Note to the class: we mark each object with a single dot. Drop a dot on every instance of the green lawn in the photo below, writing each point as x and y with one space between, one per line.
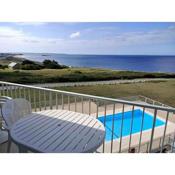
163 91
73 75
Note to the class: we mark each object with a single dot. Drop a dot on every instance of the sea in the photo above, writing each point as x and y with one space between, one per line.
146 63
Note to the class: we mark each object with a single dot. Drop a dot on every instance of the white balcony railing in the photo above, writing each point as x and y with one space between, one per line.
153 140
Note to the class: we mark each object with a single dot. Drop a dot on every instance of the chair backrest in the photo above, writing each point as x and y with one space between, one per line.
3 99
15 109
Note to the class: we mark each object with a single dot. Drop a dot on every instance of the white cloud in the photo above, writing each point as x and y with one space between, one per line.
13 35
75 35
17 40
142 38
7 32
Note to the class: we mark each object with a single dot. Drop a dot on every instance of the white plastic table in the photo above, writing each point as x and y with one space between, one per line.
58 131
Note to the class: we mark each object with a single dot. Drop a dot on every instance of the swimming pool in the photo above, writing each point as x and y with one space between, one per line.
137 122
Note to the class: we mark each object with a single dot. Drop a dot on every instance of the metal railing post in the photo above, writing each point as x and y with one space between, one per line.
132 120
163 139
104 126
50 100
89 106
56 100
39 96
62 100
142 124
121 130
112 136
152 133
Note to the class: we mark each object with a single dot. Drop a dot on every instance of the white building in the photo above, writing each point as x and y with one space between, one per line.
13 65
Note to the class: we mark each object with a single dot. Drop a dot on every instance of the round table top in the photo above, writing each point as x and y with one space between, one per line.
57 131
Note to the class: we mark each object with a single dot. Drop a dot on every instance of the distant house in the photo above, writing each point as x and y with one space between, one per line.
13 65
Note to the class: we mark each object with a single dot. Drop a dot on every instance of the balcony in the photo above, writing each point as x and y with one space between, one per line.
119 117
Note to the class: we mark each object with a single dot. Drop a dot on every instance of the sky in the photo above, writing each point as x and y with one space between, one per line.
88 38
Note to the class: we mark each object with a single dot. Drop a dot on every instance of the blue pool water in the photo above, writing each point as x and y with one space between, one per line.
137 122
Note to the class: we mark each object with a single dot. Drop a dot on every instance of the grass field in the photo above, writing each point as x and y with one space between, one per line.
163 91
73 75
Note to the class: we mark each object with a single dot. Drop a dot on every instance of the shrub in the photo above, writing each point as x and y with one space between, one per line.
28 62
3 66
31 67
52 64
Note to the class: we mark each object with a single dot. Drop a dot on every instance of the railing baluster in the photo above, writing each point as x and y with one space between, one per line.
75 104
89 106
147 148
39 96
34 98
160 143
82 105
132 121
97 110
50 99
24 91
68 102
62 99
3 90
20 92
7 90
104 126
173 144
112 137
15 91
142 123
121 131
11 91
45 100
166 122
152 133
56 100
29 95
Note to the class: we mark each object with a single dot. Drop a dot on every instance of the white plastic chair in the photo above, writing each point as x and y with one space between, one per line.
12 111
3 99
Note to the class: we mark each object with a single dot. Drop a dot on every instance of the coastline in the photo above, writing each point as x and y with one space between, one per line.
145 63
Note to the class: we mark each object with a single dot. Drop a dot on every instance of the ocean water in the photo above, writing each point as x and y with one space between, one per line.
116 62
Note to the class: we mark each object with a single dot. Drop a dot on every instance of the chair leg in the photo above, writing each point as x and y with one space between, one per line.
9 144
